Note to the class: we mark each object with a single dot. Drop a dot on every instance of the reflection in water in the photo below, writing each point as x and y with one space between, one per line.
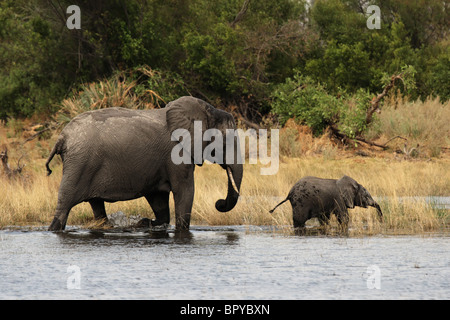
140 237
320 231
232 238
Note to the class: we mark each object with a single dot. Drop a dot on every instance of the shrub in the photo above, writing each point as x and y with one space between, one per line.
140 88
307 102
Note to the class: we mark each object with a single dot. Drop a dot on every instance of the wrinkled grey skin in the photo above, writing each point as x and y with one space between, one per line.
313 197
118 154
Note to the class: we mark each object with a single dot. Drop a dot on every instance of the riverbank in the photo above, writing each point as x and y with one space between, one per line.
31 201
29 197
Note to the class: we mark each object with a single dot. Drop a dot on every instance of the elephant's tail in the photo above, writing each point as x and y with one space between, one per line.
271 211
56 150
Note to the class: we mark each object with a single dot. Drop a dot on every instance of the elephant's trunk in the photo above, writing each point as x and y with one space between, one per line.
380 214
234 173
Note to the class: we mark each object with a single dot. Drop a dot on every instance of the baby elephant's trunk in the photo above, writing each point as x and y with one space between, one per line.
364 199
380 214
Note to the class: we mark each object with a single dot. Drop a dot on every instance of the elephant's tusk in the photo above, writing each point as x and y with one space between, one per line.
230 175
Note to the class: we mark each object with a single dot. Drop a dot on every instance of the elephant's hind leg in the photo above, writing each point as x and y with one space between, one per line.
68 197
159 201
98 206
300 215
60 218
66 201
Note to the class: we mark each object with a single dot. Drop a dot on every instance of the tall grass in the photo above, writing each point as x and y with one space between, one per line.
386 180
422 125
34 202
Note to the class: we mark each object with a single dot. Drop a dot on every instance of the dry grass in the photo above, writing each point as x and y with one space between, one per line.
118 91
423 127
298 141
390 181
32 201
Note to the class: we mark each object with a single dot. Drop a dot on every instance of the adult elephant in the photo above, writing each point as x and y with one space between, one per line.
118 154
313 197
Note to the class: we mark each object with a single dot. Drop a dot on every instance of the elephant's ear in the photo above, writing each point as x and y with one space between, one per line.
348 188
182 114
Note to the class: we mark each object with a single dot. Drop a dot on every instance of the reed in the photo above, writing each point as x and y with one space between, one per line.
415 129
33 201
118 91
393 183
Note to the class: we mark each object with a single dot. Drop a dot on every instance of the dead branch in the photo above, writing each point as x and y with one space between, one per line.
10 173
383 146
371 143
241 13
375 103
249 123
396 137
50 127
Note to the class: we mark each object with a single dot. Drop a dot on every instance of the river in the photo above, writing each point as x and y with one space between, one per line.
231 262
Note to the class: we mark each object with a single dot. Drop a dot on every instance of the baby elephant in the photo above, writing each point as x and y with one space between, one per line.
313 197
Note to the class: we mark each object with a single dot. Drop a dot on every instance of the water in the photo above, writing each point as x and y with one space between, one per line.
234 262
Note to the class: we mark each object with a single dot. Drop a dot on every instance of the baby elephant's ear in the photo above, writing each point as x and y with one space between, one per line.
348 189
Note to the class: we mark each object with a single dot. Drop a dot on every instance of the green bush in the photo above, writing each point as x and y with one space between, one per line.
343 66
352 116
440 75
209 59
222 51
309 103
161 86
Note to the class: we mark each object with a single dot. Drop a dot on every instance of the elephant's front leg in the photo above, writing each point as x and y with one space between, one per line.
343 218
183 195
324 219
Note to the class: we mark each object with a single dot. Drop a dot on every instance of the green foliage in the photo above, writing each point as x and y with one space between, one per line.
352 117
27 76
440 75
335 20
343 66
209 59
307 102
224 52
